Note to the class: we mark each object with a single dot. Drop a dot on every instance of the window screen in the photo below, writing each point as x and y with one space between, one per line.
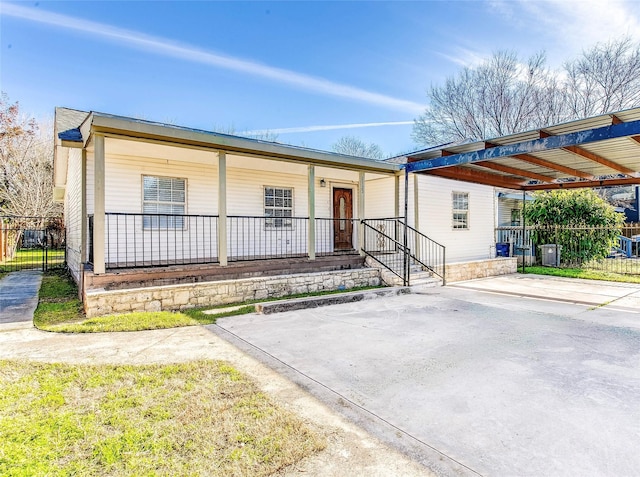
164 197
460 210
278 207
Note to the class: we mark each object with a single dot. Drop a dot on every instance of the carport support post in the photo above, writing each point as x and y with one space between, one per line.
524 230
361 211
405 262
396 205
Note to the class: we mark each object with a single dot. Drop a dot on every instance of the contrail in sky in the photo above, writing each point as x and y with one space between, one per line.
185 52
329 127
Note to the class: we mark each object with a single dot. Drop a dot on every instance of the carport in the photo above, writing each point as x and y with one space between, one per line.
600 151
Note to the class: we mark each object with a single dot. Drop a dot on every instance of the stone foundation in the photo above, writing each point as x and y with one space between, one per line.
99 302
457 272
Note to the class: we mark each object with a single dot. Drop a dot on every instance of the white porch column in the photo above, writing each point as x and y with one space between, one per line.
361 212
222 208
311 235
396 195
98 206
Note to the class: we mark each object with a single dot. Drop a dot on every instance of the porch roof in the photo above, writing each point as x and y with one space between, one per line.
137 129
594 152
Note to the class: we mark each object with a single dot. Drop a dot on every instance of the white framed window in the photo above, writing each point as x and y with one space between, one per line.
278 207
165 196
515 217
460 208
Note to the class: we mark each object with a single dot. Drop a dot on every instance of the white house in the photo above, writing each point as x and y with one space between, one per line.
149 203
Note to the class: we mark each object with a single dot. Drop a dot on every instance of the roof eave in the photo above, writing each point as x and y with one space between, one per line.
101 123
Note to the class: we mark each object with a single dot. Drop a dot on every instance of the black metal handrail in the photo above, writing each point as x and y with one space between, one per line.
420 249
396 252
427 252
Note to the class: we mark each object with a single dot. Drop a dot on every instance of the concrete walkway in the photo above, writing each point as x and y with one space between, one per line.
618 295
19 299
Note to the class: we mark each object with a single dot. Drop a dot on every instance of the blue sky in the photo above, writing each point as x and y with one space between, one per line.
308 71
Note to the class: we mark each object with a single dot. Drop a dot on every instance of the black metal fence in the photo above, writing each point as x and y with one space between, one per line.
31 243
594 248
142 239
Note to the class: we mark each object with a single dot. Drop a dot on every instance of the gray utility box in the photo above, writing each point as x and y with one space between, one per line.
551 254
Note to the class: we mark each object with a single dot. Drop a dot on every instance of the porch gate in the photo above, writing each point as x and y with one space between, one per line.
31 243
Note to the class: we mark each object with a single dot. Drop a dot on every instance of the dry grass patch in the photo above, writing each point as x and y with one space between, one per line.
199 418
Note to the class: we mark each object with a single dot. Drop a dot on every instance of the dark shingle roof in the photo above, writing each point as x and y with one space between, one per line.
68 122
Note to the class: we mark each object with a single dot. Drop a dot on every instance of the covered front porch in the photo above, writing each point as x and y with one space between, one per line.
178 204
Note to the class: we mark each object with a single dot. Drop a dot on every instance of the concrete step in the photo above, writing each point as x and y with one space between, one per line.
325 300
430 282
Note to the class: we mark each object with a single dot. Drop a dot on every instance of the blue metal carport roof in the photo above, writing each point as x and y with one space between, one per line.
594 152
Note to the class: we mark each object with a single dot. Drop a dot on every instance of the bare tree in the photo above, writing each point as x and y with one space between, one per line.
500 96
353 146
504 95
26 164
604 79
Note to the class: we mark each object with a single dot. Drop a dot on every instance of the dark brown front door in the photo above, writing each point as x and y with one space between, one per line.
342 215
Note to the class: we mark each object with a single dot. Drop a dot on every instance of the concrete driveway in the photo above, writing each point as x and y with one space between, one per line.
468 380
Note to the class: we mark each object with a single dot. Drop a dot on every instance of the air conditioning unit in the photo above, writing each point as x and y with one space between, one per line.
550 254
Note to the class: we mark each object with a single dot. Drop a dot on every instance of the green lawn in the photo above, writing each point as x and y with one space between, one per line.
198 418
32 258
57 301
60 310
584 273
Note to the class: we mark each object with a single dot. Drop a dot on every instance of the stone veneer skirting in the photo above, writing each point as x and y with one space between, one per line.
457 272
99 302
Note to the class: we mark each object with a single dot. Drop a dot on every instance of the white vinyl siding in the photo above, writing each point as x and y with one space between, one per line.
380 198
247 228
73 211
434 210
125 237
